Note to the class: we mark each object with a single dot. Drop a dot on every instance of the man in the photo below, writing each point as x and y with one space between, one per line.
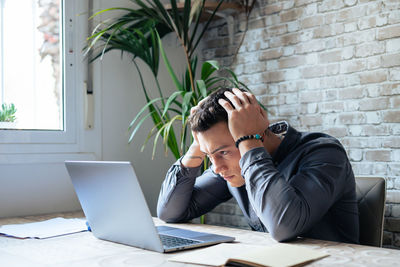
286 182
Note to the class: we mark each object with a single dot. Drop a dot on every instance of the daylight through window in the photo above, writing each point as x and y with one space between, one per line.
31 86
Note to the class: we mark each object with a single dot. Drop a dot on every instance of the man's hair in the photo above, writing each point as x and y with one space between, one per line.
210 112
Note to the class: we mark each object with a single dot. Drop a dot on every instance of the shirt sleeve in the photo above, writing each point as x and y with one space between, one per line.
289 206
186 193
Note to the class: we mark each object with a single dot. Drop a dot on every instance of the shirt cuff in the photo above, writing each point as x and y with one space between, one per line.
252 156
188 171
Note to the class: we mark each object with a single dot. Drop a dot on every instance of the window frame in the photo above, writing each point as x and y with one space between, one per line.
73 139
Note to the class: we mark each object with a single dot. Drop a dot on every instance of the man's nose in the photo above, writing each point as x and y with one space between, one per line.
219 167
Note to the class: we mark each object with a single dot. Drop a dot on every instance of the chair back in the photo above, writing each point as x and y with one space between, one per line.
371 197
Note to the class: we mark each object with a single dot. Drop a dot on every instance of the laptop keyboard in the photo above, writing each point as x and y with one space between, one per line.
173 241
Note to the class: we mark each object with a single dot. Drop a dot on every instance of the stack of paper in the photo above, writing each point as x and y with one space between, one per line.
45 229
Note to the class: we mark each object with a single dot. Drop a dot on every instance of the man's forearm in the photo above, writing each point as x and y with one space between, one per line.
181 200
176 192
194 157
288 209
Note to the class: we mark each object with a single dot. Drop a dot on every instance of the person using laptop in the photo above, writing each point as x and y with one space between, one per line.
286 182
107 190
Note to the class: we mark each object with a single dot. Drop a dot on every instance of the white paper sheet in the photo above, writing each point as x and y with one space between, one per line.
45 229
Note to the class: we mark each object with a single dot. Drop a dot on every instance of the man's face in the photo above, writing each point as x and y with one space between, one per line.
218 144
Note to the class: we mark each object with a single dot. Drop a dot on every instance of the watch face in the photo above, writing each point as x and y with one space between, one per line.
279 128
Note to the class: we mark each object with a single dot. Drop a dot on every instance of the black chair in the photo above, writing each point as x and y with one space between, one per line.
371 196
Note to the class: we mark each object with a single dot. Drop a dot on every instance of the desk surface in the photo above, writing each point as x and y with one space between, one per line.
83 249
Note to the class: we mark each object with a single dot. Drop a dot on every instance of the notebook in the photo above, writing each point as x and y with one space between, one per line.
116 210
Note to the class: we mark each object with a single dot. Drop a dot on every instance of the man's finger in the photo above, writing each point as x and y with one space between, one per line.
225 104
263 113
252 99
241 95
235 100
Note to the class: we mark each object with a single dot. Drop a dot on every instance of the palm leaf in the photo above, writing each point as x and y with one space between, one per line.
138 127
168 129
138 32
142 110
200 36
176 16
186 20
196 12
158 134
184 131
169 101
201 85
208 68
168 66
185 104
150 134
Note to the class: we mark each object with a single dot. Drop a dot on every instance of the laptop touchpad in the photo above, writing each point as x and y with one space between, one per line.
166 230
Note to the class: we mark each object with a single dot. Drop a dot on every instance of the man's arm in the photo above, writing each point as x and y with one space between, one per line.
185 194
194 157
289 208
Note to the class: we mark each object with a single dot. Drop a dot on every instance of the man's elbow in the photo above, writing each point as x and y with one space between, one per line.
163 215
166 216
283 234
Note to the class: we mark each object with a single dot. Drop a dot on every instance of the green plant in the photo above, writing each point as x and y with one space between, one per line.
7 112
138 32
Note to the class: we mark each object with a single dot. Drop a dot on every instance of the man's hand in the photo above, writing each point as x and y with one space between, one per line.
194 157
245 117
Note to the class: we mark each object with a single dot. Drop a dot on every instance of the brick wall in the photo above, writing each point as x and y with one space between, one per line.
325 65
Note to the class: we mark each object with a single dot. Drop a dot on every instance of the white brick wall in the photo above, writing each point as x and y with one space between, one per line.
332 66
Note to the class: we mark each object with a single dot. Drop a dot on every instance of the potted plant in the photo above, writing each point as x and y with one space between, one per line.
7 116
138 32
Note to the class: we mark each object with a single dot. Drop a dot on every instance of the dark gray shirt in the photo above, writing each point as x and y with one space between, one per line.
306 188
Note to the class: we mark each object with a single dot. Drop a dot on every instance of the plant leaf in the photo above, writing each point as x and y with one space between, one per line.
138 127
201 85
169 101
208 68
205 27
186 21
168 66
143 110
150 134
159 133
183 136
232 74
168 128
185 104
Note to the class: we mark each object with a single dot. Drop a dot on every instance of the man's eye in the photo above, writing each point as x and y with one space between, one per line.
224 153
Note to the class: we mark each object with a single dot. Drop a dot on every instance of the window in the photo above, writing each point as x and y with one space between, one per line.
32 154
42 72
32 63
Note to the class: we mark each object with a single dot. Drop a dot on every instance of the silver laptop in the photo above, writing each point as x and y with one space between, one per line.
116 210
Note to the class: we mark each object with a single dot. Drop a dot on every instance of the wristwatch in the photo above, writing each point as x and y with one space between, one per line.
279 128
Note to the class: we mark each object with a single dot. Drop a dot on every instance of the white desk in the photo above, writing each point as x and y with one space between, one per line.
83 249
